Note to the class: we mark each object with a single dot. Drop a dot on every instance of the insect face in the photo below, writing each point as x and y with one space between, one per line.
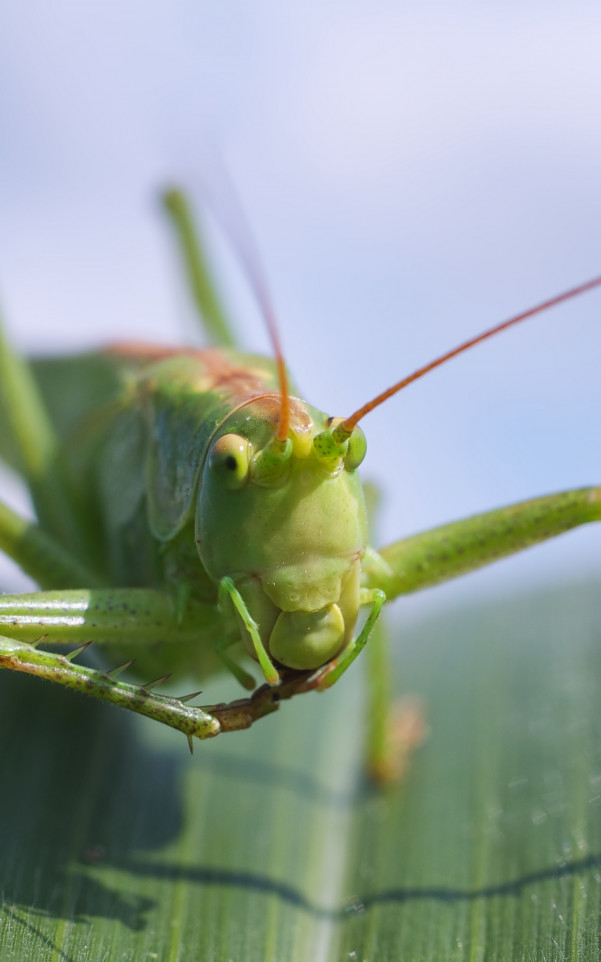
289 532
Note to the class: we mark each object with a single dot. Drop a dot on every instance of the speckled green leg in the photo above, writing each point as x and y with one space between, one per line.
454 549
18 656
136 617
118 616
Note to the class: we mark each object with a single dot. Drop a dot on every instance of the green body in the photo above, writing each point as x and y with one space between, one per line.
176 521
135 428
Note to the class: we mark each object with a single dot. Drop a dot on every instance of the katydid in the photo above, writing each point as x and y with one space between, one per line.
190 505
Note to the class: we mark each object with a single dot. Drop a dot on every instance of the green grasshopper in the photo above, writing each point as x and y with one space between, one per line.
190 504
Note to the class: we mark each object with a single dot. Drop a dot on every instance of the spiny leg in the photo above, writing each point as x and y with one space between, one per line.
132 617
18 656
108 616
135 617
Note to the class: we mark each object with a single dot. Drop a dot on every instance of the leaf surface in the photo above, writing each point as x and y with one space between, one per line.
269 845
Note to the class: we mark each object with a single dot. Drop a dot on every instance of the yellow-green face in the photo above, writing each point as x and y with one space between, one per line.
290 535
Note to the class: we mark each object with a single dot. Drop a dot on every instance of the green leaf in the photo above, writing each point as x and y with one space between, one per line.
268 844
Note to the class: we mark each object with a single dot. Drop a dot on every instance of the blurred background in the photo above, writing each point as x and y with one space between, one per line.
413 173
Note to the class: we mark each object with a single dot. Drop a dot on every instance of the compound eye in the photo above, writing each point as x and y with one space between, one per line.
229 461
357 446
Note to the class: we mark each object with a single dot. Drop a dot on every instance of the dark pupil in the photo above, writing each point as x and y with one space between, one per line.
230 462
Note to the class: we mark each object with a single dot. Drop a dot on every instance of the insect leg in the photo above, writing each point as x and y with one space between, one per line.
228 590
243 677
108 616
382 755
454 549
132 617
30 445
174 712
376 598
39 555
195 260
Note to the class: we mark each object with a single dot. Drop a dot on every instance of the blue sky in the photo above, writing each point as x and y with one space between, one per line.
413 173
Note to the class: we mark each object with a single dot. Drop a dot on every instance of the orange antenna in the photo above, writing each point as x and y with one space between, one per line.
349 423
229 213
255 278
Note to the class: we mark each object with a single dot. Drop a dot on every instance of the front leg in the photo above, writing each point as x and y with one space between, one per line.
133 618
192 721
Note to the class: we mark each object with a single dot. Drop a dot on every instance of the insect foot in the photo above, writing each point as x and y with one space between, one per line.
235 715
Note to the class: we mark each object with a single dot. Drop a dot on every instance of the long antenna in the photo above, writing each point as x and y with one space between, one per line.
229 214
261 291
349 423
